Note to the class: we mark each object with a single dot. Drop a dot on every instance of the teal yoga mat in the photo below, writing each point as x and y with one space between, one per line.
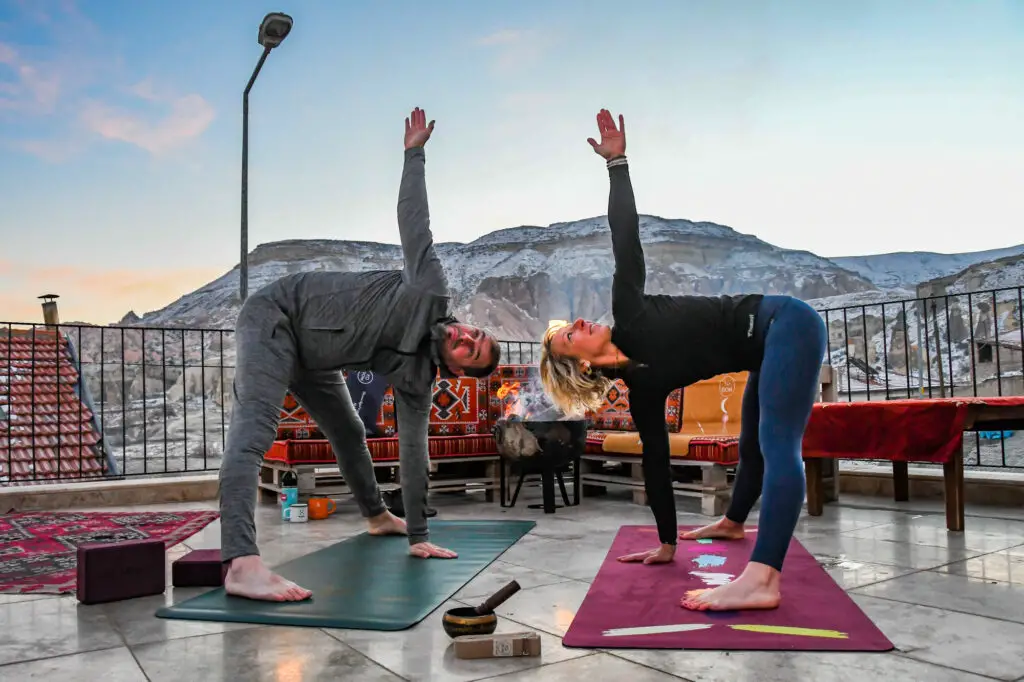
367 582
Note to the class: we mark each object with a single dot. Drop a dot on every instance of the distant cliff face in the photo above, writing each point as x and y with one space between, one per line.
513 281
907 270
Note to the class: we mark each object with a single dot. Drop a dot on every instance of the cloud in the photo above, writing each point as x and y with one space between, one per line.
188 118
514 48
508 36
36 87
53 150
71 86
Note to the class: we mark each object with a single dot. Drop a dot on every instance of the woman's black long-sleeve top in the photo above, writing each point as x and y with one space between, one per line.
671 342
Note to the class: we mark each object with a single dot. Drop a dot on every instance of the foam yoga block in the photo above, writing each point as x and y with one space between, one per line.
199 568
124 570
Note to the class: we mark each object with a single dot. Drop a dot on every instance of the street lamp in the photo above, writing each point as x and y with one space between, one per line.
274 28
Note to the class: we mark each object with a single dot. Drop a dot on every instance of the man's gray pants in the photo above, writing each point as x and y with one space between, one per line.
266 368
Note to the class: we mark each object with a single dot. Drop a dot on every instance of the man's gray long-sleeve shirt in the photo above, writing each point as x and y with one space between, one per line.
387 321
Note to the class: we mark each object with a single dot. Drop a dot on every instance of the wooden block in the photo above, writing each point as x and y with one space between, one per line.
199 568
124 570
502 645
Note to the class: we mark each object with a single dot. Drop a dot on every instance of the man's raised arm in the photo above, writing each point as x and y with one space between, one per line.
422 267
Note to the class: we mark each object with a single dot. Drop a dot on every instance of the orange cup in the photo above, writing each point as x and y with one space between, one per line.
321 507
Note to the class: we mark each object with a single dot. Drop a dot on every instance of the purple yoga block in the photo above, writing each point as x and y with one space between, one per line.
199 568
124 570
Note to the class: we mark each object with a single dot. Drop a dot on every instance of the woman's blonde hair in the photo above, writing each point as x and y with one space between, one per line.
571 389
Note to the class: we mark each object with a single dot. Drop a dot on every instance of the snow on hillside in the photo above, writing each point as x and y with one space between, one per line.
857 299
171 390
682 257
907 269
998 274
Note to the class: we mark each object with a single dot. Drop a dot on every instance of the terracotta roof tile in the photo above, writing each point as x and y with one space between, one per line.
46 431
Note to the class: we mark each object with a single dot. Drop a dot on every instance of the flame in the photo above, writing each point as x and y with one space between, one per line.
512 405
512 388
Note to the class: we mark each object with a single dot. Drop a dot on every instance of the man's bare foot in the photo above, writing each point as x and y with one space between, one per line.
723 529
756 588
249 577
387 523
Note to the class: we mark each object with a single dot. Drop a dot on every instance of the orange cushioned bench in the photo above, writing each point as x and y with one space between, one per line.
703 424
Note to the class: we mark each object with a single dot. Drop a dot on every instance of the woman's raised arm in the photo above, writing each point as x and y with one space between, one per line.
630 271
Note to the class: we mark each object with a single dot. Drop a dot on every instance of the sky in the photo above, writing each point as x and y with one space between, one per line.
841 128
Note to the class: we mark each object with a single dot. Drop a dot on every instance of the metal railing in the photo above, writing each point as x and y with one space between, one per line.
144 401
954 344
946 345
136 401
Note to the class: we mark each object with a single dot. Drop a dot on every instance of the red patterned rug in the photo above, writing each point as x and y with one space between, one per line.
38 550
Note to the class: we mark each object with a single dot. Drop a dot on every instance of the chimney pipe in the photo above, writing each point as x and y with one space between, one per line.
50 317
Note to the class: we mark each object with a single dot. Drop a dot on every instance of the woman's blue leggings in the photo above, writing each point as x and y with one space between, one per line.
776 407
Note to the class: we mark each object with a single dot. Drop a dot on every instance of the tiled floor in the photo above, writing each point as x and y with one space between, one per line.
953 605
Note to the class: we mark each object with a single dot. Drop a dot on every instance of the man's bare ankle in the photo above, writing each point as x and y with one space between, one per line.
245 563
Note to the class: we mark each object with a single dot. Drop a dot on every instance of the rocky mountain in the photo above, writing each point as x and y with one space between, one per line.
514 280
168 390
129 319
1007 271
905 269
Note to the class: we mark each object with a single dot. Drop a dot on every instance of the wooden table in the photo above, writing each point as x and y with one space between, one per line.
978 414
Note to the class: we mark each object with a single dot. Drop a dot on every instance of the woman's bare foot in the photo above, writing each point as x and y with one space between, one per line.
723 529
387 523
756 588
249 577
662 555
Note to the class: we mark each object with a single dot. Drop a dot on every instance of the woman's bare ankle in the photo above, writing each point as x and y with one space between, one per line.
762 574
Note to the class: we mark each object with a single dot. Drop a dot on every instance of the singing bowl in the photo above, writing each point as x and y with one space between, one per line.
466 621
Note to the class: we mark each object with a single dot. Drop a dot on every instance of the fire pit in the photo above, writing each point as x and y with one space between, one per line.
536 438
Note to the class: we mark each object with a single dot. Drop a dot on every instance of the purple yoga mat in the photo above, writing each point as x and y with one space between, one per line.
628 596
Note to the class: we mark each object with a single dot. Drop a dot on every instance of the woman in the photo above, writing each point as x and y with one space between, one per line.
660 343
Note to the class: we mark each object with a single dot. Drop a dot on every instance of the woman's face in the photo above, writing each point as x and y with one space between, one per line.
581 340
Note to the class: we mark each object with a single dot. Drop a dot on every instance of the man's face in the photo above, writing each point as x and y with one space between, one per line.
465 346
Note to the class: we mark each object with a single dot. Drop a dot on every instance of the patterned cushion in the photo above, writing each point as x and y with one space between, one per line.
459 406
595 442
438 447
722 450
614 415
318 452
296 424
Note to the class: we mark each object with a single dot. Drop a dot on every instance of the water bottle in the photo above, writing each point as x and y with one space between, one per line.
289 492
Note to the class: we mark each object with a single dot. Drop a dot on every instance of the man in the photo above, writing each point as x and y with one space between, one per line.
299 332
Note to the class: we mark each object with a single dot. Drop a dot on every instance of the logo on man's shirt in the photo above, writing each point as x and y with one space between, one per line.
750 328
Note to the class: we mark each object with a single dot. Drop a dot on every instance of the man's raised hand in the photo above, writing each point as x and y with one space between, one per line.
417 131
613 141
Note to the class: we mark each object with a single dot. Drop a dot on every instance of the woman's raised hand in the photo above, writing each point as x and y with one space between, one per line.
613 140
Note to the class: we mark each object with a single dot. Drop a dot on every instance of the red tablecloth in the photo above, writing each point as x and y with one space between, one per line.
925 430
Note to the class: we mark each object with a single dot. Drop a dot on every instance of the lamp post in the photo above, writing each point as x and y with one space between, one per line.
274 28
